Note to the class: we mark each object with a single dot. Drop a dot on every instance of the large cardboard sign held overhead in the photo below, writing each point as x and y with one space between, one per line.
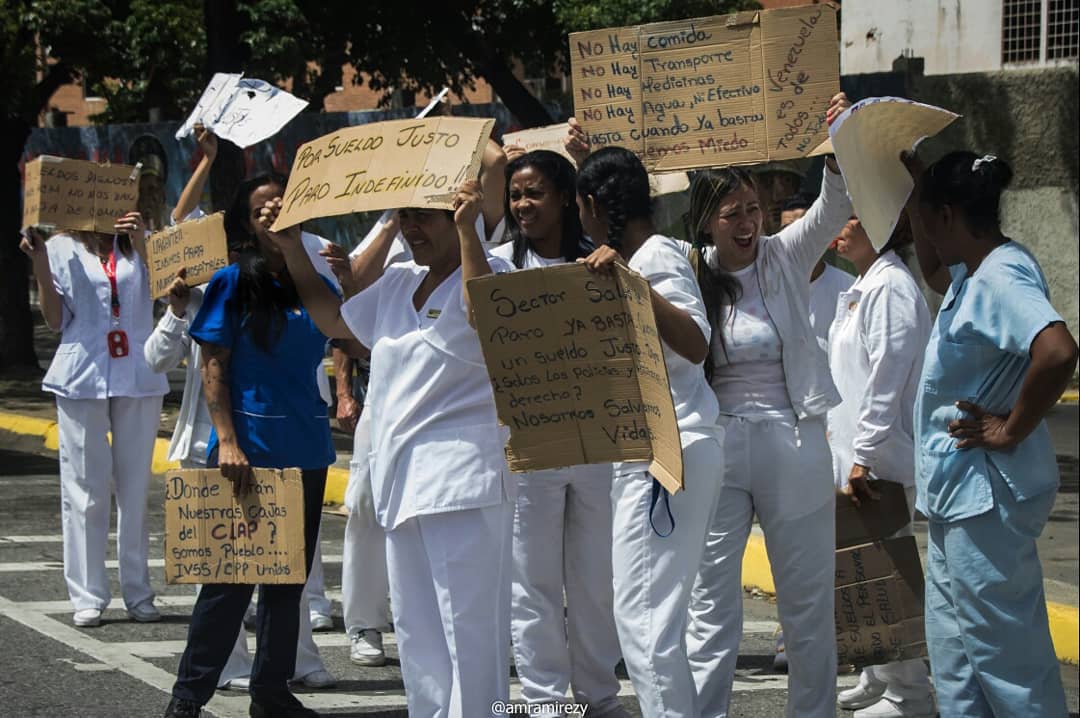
868 139
198 245
733 89
552 137
212 537
77 195
242 110
384 165
578 369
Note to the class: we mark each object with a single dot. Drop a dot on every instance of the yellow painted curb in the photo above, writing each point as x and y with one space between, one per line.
756 571
1070 396
336 479
1064 620
1065 630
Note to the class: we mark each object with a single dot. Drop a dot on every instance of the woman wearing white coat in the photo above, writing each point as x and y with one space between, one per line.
772 382
876 346
94 289
438 475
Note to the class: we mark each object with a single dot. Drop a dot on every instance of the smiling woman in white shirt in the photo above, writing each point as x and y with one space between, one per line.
876 346
439 479
562 520
94 289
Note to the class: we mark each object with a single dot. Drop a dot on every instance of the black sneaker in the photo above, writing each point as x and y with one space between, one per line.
283 705
179 708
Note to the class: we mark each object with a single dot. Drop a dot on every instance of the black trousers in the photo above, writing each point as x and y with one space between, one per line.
219 613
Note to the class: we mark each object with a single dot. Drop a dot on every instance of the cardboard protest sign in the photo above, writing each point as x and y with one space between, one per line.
242 110
868 139
879 603
744 88
212 537
198 245
384 165
78 195
578 369
872 520
552 137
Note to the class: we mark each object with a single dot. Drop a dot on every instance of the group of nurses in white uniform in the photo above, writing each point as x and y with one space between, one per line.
94 289
876 347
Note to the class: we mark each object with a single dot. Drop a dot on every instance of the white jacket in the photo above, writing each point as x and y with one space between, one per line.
876 346
784 262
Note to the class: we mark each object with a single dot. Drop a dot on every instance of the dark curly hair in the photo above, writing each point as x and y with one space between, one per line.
617 180
557 170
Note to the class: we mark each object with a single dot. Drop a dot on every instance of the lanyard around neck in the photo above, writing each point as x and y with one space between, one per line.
109 265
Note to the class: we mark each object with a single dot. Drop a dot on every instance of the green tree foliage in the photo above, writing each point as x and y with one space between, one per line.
578 15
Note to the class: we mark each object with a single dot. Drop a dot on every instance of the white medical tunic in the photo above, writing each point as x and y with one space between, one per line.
436 442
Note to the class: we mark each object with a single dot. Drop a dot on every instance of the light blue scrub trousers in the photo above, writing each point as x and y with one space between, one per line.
986 626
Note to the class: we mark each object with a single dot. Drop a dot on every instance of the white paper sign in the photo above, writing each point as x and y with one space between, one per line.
868 139
242 110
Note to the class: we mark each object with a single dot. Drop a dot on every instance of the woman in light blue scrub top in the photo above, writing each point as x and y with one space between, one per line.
998 359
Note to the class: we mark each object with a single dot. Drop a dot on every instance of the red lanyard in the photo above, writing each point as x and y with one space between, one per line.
110 272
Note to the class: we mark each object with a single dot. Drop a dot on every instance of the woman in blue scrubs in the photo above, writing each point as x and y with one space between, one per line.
260 352
998 359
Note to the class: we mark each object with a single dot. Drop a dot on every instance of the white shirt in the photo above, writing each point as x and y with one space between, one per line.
82 367
823 294
661 260
876 347
435 437
532 260
748 367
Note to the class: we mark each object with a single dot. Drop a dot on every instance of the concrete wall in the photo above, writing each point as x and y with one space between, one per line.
954 36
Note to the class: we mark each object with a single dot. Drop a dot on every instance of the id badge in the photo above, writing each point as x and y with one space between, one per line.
118 344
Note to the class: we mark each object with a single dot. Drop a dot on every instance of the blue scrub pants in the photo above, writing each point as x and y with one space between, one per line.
986 626
219 613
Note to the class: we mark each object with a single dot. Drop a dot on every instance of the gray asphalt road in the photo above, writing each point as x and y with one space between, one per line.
49 668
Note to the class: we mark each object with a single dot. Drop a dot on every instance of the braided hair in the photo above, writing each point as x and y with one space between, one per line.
719 289
557 170
617 180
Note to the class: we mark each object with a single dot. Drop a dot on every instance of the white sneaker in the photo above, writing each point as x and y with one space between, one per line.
318 679
242 683
321 622
145 612
87 618
867 693
367 648
886 708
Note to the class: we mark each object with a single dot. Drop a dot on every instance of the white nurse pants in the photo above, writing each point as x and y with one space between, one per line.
783 472
315 588
364 583
562 541
905 681
90 470
654 575
450 588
